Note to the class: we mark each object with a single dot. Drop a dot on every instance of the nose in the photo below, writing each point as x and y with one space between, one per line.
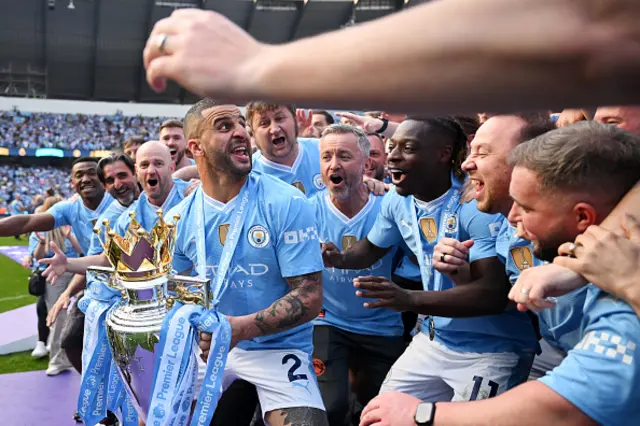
468 165
394 155
514 214
274 128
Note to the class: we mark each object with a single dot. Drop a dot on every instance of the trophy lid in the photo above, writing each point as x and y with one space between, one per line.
140 255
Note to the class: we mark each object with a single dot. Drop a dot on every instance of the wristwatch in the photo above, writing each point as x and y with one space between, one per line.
425 414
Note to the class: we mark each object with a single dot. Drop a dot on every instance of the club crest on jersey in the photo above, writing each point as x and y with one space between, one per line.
300 186
522 257
451 223
348 241
258 236
223 230
317 181
429 228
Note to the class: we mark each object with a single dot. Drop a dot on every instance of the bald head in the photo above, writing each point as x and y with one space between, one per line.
153 169
625 117
152 148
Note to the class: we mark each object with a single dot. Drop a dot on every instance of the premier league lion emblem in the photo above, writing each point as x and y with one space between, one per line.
300 186
429 228
522 257
348 241
223 230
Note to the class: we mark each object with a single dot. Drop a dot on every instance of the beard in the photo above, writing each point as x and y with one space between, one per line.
222 162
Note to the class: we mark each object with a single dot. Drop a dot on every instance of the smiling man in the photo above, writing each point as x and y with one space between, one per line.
80 213
492 348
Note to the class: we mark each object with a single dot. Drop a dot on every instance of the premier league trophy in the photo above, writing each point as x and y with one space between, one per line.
141 270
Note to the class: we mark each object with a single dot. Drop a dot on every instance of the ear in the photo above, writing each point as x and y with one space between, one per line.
196 149
368 162
446 154
585 215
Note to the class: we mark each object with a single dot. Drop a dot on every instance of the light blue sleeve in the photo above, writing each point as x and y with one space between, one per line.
385 232
482 228
122 224
601 374
95 247
62 213
297 247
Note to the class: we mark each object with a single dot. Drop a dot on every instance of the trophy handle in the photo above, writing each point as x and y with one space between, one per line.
188 290
106 276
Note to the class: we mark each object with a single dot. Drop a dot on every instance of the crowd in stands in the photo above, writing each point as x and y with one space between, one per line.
28 130
27 182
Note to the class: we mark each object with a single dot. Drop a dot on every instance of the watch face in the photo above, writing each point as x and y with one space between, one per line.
424 413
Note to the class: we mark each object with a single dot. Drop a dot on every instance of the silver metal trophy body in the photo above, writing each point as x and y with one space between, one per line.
134 324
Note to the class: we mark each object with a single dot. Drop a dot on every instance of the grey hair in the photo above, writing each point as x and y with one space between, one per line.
345 129
586 157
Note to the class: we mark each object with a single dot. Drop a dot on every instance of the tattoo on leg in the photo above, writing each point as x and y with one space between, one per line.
303 416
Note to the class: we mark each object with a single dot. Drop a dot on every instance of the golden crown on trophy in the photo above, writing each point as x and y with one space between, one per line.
140 255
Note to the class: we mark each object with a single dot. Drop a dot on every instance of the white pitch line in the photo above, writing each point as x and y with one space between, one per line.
3 299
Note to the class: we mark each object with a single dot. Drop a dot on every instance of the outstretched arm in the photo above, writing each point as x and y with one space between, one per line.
360 255
445 47
26 223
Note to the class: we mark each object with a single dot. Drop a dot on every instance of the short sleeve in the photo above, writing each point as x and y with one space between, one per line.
601 374
61 213
482 228
298 246
385 232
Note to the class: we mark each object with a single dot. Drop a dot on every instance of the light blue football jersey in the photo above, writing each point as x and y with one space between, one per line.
147 213
601 374
406 266
341 307
112 214
81 218
279 240
560 326
34 241
305 172
510 331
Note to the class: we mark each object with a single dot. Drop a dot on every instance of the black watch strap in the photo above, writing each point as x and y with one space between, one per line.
385 124
425 414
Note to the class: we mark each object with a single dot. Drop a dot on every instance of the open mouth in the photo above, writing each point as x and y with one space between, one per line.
397 175
152 183
479 187
173 152
279 141
88 187
336 179
241 152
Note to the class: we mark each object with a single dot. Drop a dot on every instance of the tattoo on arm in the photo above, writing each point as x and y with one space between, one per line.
301 416
295 308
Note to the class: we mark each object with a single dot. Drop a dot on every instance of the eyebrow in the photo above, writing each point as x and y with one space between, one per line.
524 206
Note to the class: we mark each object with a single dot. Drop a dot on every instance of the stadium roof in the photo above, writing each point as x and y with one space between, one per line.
92 49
